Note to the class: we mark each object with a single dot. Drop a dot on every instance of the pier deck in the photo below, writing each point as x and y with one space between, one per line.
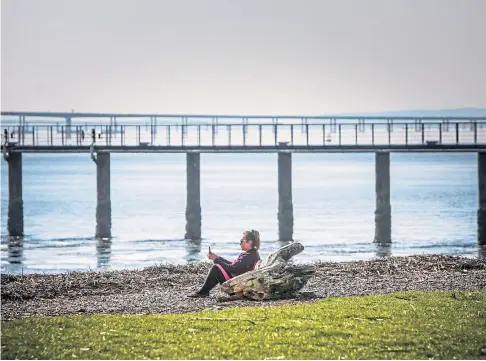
316 137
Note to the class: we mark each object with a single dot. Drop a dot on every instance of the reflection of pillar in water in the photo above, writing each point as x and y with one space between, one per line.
15 250
103 252
193 248
383 250
482 252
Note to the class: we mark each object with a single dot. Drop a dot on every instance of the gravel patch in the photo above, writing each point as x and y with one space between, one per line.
163 289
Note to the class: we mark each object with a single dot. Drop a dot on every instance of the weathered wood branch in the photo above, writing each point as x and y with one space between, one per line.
272 278
285 253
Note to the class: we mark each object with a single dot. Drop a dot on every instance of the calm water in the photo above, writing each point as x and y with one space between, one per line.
434 204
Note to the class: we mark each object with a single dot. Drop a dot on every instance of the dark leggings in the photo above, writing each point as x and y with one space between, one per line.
214 277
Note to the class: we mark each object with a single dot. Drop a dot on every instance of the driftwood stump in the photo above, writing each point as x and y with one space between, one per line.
274 277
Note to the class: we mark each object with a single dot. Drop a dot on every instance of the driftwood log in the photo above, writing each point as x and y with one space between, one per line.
272 278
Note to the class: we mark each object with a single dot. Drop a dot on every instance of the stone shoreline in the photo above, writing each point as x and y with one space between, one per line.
163 289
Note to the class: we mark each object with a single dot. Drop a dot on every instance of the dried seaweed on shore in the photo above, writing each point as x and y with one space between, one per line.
162 289
98 283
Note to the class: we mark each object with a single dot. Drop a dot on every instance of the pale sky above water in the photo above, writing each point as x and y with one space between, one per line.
242 57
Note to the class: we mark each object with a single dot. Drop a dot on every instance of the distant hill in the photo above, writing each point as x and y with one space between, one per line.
460 112
446 113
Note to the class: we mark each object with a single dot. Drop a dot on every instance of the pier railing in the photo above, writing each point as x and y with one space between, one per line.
248 135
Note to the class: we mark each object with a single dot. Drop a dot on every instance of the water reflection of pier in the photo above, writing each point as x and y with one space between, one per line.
103 253
383 250
482 251
15 254
16 250
193 249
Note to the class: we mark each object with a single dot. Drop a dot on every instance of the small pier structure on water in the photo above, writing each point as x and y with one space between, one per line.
100 134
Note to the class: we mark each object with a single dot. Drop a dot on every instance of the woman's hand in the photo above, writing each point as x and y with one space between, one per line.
212 256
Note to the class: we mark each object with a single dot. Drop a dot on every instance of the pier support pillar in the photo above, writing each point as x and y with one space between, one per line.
15 202
482 198
193 208
285 206
383 207
103 206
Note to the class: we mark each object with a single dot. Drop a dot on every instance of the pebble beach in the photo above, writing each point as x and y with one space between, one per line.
163 289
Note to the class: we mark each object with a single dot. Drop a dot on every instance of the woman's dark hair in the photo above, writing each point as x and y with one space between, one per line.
254 237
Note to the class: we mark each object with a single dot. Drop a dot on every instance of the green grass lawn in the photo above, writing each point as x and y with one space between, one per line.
406 325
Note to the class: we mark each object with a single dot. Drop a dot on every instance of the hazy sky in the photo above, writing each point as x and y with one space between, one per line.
242 57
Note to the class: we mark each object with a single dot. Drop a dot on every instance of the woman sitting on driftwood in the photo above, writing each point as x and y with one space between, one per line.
223 270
